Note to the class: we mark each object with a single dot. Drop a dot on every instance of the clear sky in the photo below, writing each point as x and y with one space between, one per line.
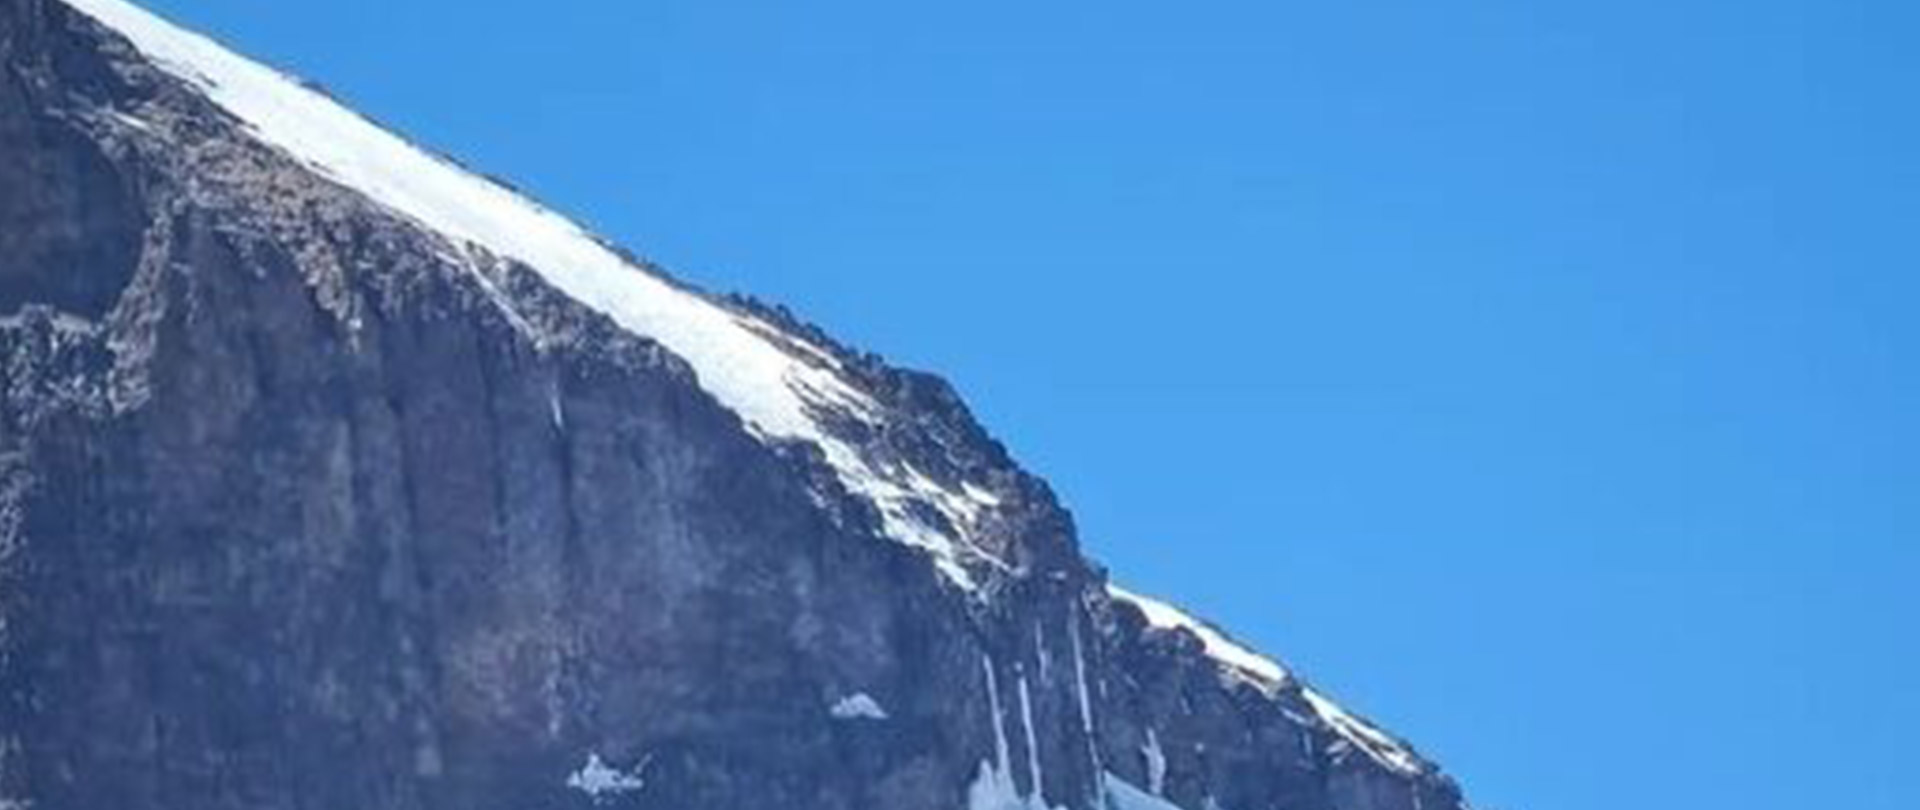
1541 378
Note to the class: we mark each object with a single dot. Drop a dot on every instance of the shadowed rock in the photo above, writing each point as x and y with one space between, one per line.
304 504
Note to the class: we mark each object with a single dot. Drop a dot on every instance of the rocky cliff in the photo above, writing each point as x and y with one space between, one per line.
334 476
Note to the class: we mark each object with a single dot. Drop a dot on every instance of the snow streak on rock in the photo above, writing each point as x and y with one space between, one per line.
777 382
1156 764
1241 660
1377 744
1267 673
994 788
782 385
1082 695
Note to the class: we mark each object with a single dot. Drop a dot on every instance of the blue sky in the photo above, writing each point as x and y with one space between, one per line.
1538 377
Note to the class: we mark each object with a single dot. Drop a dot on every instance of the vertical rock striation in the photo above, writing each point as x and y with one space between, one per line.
310 499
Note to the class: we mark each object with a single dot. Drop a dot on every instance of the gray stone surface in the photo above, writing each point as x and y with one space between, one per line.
293 515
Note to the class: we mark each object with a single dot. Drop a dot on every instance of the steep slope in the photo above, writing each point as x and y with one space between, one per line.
333 475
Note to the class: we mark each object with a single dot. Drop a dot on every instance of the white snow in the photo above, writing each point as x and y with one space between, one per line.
993 788
742 361
1085 699
774 381
1223 649
1122 795
133 122
556 413
1034 776
978 495
600 780
857 706
1377 744
1156 764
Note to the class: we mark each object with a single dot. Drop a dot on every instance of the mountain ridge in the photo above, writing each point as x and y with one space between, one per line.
249 249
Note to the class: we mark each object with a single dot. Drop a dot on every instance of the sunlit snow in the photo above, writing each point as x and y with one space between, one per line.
857 706
598 779
993 788
1122 795
1376 743
1223 649
775 385
1269 673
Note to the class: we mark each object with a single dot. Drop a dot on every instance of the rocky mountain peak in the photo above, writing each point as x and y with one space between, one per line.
334 474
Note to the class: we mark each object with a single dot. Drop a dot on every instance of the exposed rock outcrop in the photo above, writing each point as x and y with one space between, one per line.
306 502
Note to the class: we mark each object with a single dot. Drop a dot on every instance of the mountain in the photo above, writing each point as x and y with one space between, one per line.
333 475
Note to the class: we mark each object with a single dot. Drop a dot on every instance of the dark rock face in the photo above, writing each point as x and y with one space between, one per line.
297 511
82 214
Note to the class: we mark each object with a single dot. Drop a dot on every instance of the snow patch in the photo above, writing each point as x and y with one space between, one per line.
776 382
1377 744
857 706
1242 660
1269 674
978 495
600 780
1122 795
